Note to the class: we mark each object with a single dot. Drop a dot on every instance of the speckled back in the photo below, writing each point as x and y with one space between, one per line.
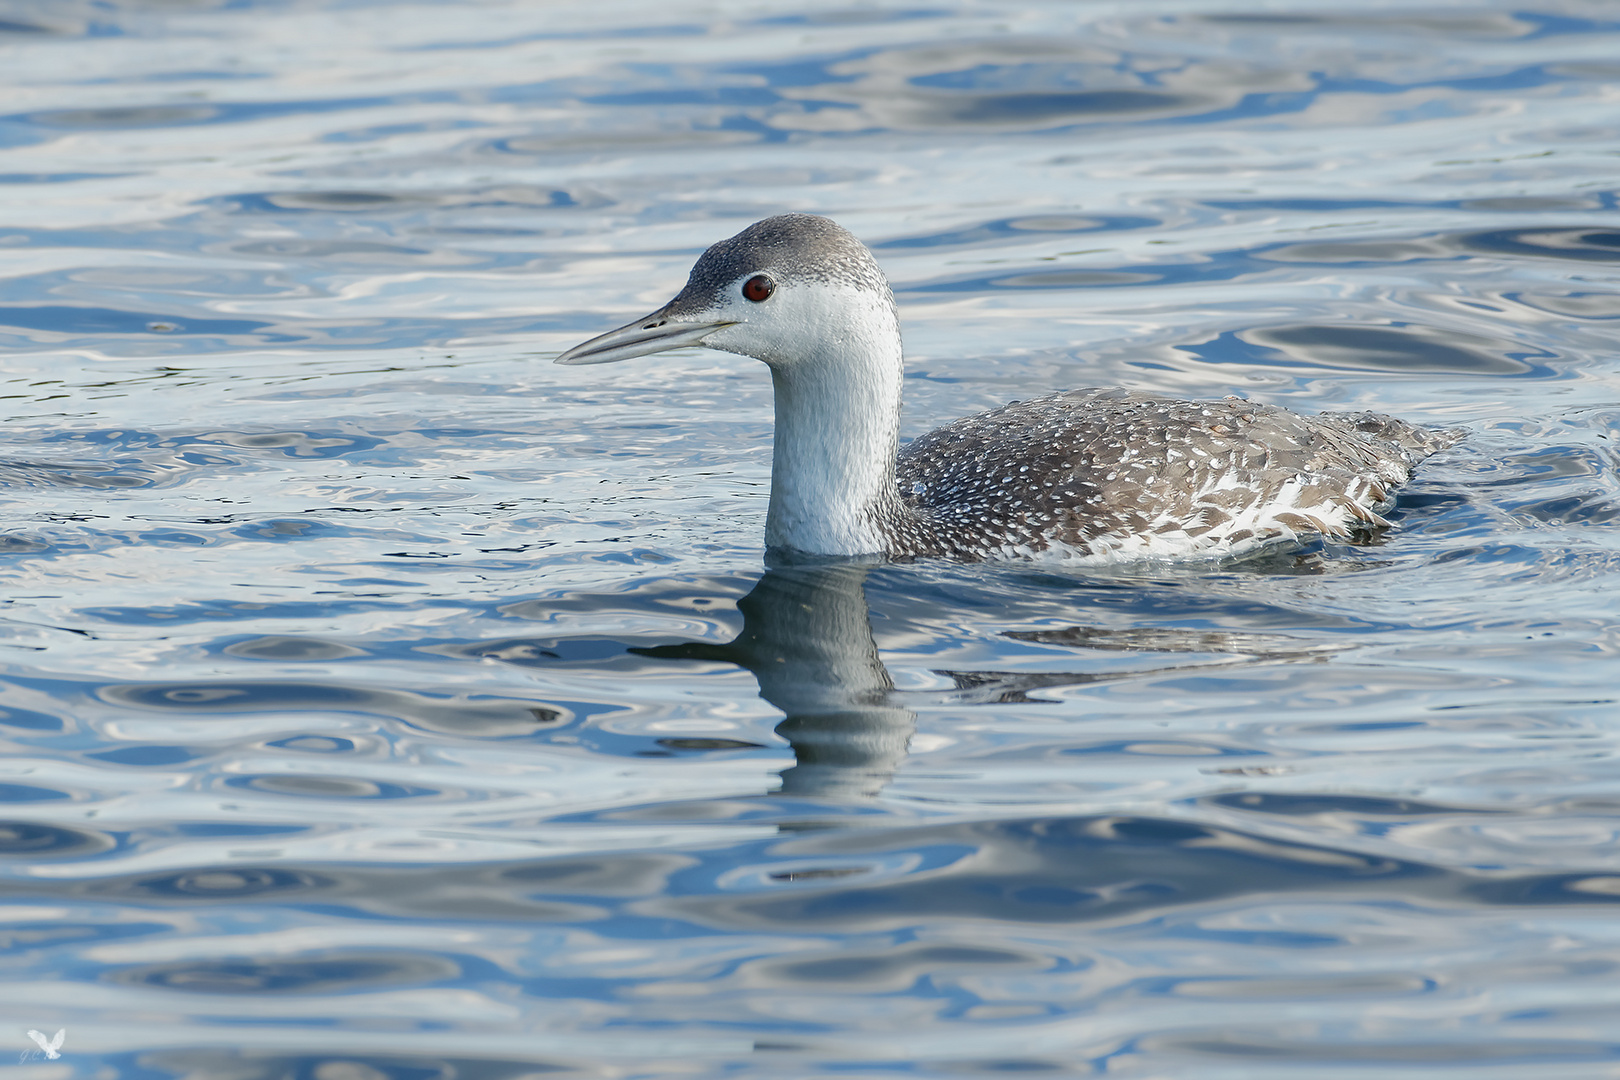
1102 474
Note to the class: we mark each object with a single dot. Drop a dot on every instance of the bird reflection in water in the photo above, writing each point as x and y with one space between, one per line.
807 638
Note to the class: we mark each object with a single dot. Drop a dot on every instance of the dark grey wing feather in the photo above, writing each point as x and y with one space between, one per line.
1098 469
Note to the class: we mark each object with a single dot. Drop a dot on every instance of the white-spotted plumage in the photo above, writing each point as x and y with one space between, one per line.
1086 475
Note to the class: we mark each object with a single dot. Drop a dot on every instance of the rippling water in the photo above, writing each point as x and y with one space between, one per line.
380 700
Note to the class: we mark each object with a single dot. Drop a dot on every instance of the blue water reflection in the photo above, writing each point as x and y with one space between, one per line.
380 700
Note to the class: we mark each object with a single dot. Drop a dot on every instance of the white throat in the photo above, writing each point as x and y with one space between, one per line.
837 427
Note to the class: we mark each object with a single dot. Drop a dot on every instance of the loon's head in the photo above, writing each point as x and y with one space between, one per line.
786 290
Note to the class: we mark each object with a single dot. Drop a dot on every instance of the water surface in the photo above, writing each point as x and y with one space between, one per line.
380 700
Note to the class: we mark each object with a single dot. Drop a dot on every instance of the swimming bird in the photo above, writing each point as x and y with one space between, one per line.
1090 476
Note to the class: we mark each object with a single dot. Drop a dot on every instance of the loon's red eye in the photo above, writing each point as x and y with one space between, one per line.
759 288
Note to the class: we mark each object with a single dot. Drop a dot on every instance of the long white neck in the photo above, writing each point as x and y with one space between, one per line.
837 431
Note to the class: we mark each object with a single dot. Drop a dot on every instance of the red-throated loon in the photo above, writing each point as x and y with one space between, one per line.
1085 475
